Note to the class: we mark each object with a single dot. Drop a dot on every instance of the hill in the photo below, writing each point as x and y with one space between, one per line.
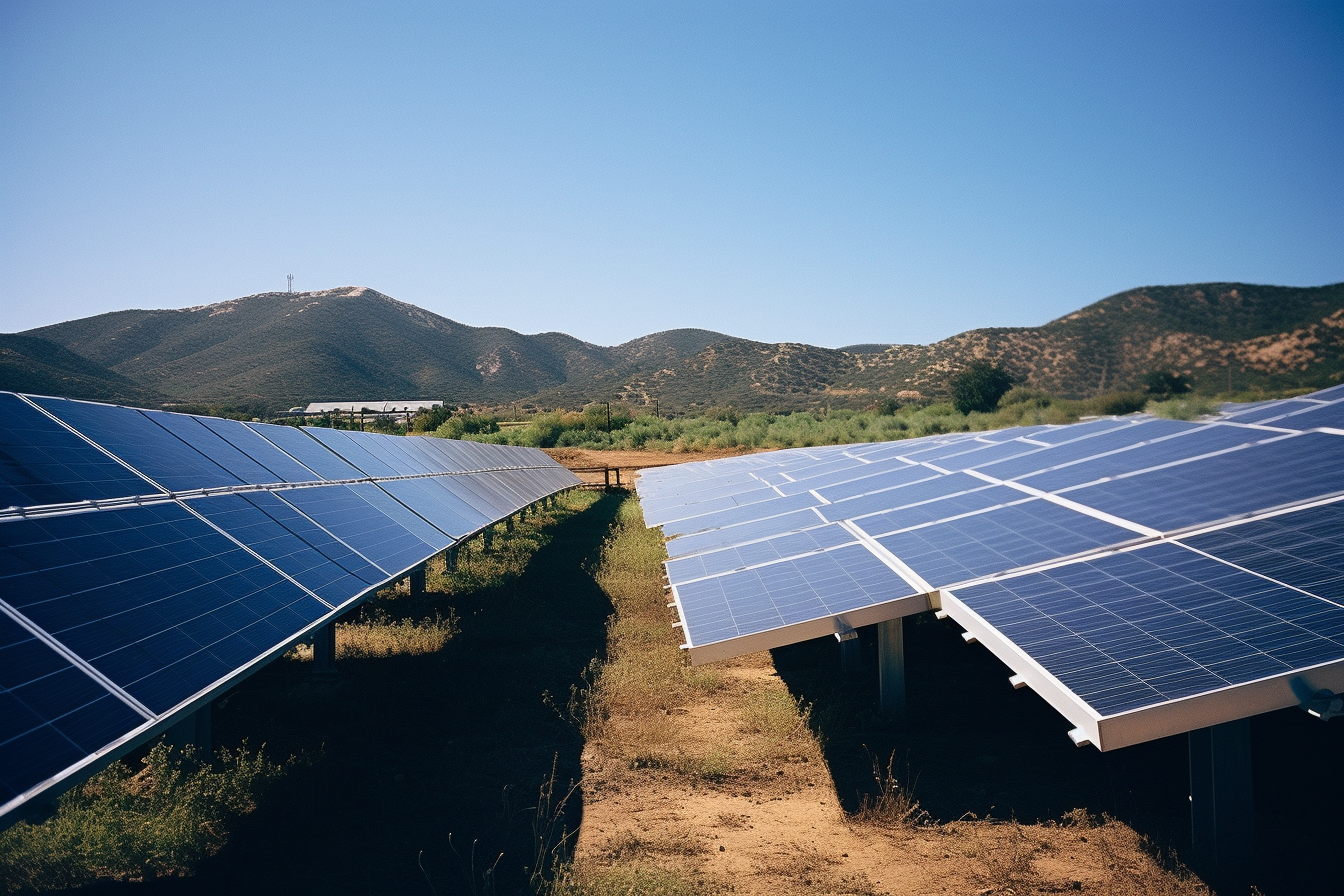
41 367
274 350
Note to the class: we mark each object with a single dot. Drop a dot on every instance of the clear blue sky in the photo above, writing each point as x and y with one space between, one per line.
823 172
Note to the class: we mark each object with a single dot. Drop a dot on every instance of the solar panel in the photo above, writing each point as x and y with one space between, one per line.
778 603
1147 628
43 462
120 615
1268 475
1331 415
1146 576
52 713
152 597
136 439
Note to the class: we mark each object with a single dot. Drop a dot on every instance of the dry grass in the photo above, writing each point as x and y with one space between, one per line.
702 780
378 634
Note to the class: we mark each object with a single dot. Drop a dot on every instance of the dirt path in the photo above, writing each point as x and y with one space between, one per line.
722 778
770 822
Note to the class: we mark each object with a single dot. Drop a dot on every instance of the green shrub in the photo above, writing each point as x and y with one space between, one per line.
160 821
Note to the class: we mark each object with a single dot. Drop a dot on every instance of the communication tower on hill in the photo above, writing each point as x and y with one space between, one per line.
291 283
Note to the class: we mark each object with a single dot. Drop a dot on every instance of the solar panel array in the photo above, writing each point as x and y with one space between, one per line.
1146 576
148 560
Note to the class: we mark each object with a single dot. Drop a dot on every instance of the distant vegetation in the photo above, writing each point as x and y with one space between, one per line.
718 428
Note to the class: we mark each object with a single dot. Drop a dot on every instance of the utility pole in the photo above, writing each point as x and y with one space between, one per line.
608 404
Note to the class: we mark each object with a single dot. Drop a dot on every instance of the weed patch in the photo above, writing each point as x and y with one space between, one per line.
158 822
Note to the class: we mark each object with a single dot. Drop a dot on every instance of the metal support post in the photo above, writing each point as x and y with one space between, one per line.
891 667
487 536
508 523
850 656
193 729
324 650
416 580
450 560
1222 825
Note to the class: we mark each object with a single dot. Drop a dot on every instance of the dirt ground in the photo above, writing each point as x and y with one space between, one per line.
629 461
773 823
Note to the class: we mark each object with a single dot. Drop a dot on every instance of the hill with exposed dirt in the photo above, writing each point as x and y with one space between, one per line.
274 350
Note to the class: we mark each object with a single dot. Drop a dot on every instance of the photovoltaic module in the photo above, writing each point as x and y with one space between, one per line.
1146 576
151 560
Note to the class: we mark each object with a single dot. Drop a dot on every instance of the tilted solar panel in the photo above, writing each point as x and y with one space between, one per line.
1147 576
43 462
123 606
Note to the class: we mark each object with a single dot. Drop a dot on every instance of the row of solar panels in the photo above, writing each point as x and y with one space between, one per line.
1146 576
148 560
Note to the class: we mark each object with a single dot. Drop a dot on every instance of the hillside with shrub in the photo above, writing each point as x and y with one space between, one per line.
276 350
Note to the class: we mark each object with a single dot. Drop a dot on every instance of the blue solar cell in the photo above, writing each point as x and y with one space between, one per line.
1270 475
1197 442
879 481
135 438
1058 434
1160 623
1303 549
686 506
987 454
152 597
52 715
856 474
300 549
1271 409
354 450
433 501
1110 440
42 462
940 509
714 539
756 552
920 490
210 444
1331 415
249 440
307 451
349 513
999 540
815 586
739 514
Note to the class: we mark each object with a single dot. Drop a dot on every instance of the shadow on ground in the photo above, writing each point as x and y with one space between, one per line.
425 770
975 747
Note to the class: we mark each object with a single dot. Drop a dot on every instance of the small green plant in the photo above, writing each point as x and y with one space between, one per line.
158 822
1183 408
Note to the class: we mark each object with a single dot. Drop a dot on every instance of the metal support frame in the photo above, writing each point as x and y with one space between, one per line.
1222 821
324 650
416 580
851 656
194 729
891 667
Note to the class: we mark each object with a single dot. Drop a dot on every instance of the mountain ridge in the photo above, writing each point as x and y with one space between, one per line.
273 350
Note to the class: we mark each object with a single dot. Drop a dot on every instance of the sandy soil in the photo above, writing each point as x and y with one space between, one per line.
775 825
582 459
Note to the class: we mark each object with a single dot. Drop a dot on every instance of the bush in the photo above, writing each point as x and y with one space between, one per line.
1163 384
979 387
467 424
1119 403
160 821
